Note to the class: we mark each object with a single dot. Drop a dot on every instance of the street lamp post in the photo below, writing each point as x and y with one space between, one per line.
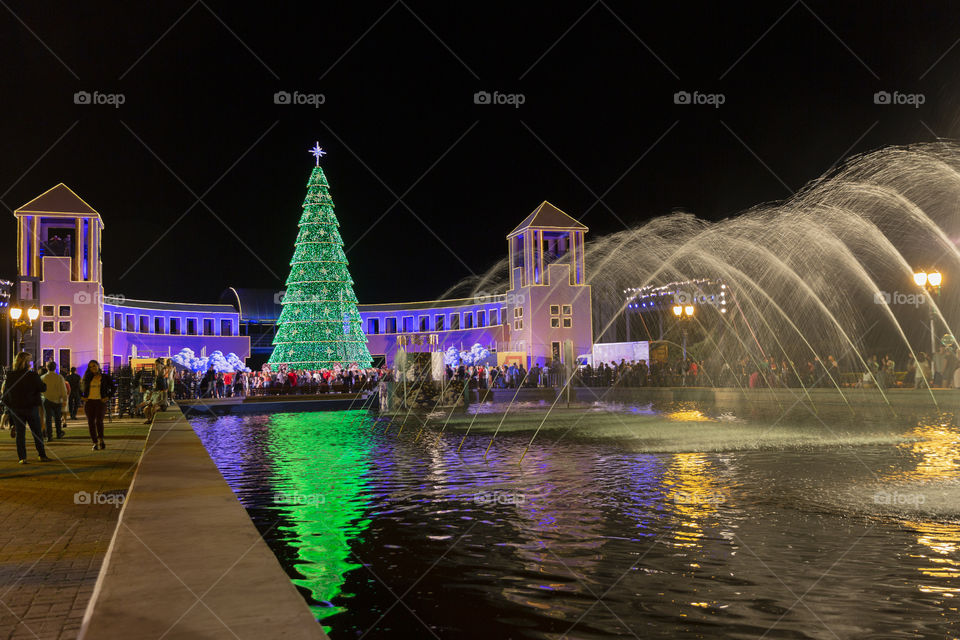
684 312
23 323
930 282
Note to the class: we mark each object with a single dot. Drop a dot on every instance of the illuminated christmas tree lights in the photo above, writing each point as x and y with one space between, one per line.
319 325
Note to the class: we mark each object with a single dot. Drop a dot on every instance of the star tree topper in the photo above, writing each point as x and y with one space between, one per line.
318 152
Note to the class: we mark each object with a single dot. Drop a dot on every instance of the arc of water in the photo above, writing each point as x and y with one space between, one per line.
443 388
915 214
519 386
866 279
421 378
444 427
790 273
689 245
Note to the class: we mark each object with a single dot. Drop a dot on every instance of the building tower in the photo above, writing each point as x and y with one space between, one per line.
59 272
548 313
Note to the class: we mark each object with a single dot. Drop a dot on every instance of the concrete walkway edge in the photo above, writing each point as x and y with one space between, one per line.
185 560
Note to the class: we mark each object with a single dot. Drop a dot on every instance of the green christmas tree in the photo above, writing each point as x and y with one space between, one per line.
319 325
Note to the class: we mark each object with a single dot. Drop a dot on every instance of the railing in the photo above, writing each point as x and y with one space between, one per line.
313 389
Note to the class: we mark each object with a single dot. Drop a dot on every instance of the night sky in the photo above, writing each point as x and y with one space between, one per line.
199 175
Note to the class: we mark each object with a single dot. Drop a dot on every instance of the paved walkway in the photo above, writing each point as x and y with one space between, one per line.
53 539
186 561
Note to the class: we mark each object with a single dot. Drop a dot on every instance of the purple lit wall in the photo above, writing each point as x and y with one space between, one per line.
156 330
475 321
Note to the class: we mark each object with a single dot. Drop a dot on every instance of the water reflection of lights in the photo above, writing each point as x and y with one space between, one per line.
689 485
938 448
942 540
688 415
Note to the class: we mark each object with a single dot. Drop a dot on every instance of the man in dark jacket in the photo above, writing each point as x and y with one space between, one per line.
22 395
74 400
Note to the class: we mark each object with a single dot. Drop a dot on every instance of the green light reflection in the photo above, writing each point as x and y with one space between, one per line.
321 461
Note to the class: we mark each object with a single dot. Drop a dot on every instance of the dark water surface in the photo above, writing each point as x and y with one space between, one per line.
620 522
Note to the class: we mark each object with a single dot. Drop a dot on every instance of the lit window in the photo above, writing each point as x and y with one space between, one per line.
47 310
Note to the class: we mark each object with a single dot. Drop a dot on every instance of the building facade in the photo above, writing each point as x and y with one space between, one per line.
59 272
544 315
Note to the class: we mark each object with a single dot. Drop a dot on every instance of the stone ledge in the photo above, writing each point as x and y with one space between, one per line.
185 560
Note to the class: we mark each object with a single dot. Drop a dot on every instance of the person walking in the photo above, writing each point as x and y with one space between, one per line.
924 374
54 399
21 395
171 381
73 402
97 388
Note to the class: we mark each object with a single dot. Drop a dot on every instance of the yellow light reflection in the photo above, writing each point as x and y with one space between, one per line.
688 415
942 540
690 487
938 449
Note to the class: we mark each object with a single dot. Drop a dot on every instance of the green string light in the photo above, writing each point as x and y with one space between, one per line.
319 325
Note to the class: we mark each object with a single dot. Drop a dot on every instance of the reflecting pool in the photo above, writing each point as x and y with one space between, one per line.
621 521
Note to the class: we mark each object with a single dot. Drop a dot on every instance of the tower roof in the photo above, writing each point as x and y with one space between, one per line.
547 216
58 201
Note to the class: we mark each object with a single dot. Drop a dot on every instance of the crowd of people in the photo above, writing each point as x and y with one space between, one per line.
215 384
943 370
41 399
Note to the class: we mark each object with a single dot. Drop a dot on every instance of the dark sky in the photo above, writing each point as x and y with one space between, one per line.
399 121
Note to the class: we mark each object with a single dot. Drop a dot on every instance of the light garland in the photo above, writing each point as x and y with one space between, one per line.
319 325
